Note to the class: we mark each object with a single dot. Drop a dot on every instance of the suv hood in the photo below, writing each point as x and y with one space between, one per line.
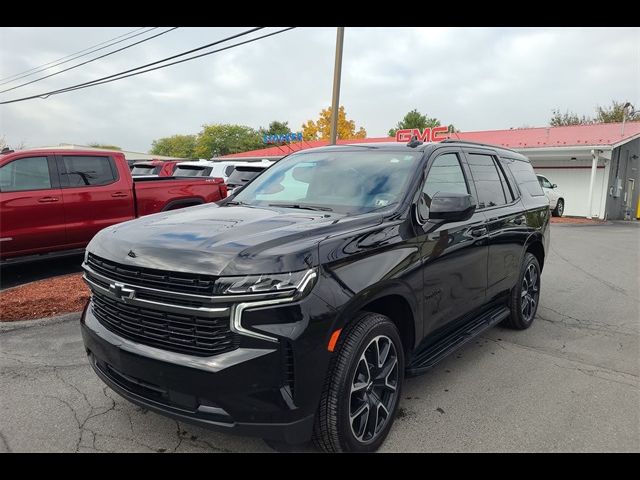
232 240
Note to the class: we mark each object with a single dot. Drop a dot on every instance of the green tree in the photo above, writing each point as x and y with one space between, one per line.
321 129
614 113
276 128
222 139
179 146
559 119
105 146
414 119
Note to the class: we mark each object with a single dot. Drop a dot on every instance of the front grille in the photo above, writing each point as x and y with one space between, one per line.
150 277
177 332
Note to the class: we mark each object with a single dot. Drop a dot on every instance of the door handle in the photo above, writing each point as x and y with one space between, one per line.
47 199
478 232
119 194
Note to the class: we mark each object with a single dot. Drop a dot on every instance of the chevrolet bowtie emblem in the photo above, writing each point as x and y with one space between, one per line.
120 291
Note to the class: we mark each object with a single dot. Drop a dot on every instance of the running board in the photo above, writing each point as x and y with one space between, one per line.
428 357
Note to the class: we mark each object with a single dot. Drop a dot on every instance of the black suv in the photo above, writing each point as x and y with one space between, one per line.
295 308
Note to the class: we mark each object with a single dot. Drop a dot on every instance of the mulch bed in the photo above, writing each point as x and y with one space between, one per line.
44 298
576 220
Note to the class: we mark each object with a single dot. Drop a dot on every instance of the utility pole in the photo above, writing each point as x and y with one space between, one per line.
337 70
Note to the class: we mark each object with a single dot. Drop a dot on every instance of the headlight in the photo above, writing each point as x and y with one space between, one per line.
267 283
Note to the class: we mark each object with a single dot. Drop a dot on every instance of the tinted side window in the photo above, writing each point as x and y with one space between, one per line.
445 175
526 178
487 180
505 185
82 171
30 173
511 181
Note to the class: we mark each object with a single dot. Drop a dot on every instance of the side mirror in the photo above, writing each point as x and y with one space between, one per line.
554 186
451 207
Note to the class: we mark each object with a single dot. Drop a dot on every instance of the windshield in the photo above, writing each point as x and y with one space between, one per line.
144 170
347 182
191 171
242 175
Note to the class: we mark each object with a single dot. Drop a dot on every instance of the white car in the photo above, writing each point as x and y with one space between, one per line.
209 168
555 196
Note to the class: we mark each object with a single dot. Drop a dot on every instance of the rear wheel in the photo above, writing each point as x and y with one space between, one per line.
525 295
363 387
559 210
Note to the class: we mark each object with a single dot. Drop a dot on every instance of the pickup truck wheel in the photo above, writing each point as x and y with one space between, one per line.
559 210
363 387
525 296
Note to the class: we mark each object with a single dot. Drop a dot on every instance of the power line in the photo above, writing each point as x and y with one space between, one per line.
120 75
89 61
162 66
49 65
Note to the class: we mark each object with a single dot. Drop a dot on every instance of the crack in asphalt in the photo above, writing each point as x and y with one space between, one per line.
180 438
5 442
612 286
633 382
592 373
584 324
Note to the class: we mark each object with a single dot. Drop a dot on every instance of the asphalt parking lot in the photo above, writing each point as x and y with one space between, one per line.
569 383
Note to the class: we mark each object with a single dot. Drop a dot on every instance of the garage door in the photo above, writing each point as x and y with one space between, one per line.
573 183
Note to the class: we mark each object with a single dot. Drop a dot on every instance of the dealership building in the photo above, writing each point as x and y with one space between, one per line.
596 167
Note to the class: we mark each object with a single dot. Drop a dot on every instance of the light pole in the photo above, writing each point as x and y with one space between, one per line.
624 115
337 69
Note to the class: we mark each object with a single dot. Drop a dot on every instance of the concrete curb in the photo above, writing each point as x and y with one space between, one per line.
599 224
22 324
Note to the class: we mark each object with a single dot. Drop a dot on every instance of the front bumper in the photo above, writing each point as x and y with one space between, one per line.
245 391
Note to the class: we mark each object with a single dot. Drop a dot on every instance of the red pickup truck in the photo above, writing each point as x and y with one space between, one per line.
53 201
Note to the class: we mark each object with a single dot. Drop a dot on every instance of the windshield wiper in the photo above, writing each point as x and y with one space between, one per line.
233 202
302 207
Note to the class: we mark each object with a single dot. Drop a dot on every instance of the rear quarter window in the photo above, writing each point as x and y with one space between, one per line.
525 177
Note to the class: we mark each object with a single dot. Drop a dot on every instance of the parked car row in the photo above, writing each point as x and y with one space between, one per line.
234 173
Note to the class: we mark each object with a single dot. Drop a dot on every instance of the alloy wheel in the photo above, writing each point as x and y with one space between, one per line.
530 292
373 389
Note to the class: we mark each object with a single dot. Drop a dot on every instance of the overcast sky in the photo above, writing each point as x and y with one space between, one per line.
475 78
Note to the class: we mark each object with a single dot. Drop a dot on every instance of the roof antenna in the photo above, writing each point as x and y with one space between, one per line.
414 142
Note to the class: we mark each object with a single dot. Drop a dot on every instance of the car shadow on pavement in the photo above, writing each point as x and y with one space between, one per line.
13 275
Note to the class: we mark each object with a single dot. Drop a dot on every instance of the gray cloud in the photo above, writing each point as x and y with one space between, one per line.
475 78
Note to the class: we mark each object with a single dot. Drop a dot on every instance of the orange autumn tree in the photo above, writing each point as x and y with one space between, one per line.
321 129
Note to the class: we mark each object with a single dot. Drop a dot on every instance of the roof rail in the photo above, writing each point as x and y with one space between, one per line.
453 140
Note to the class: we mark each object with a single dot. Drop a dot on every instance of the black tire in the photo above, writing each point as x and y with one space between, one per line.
559 210
523 311
333 429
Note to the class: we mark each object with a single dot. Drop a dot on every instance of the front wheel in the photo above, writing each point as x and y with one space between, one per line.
559 210
363 387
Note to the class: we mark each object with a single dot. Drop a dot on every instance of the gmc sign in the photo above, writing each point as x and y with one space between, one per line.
435 134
